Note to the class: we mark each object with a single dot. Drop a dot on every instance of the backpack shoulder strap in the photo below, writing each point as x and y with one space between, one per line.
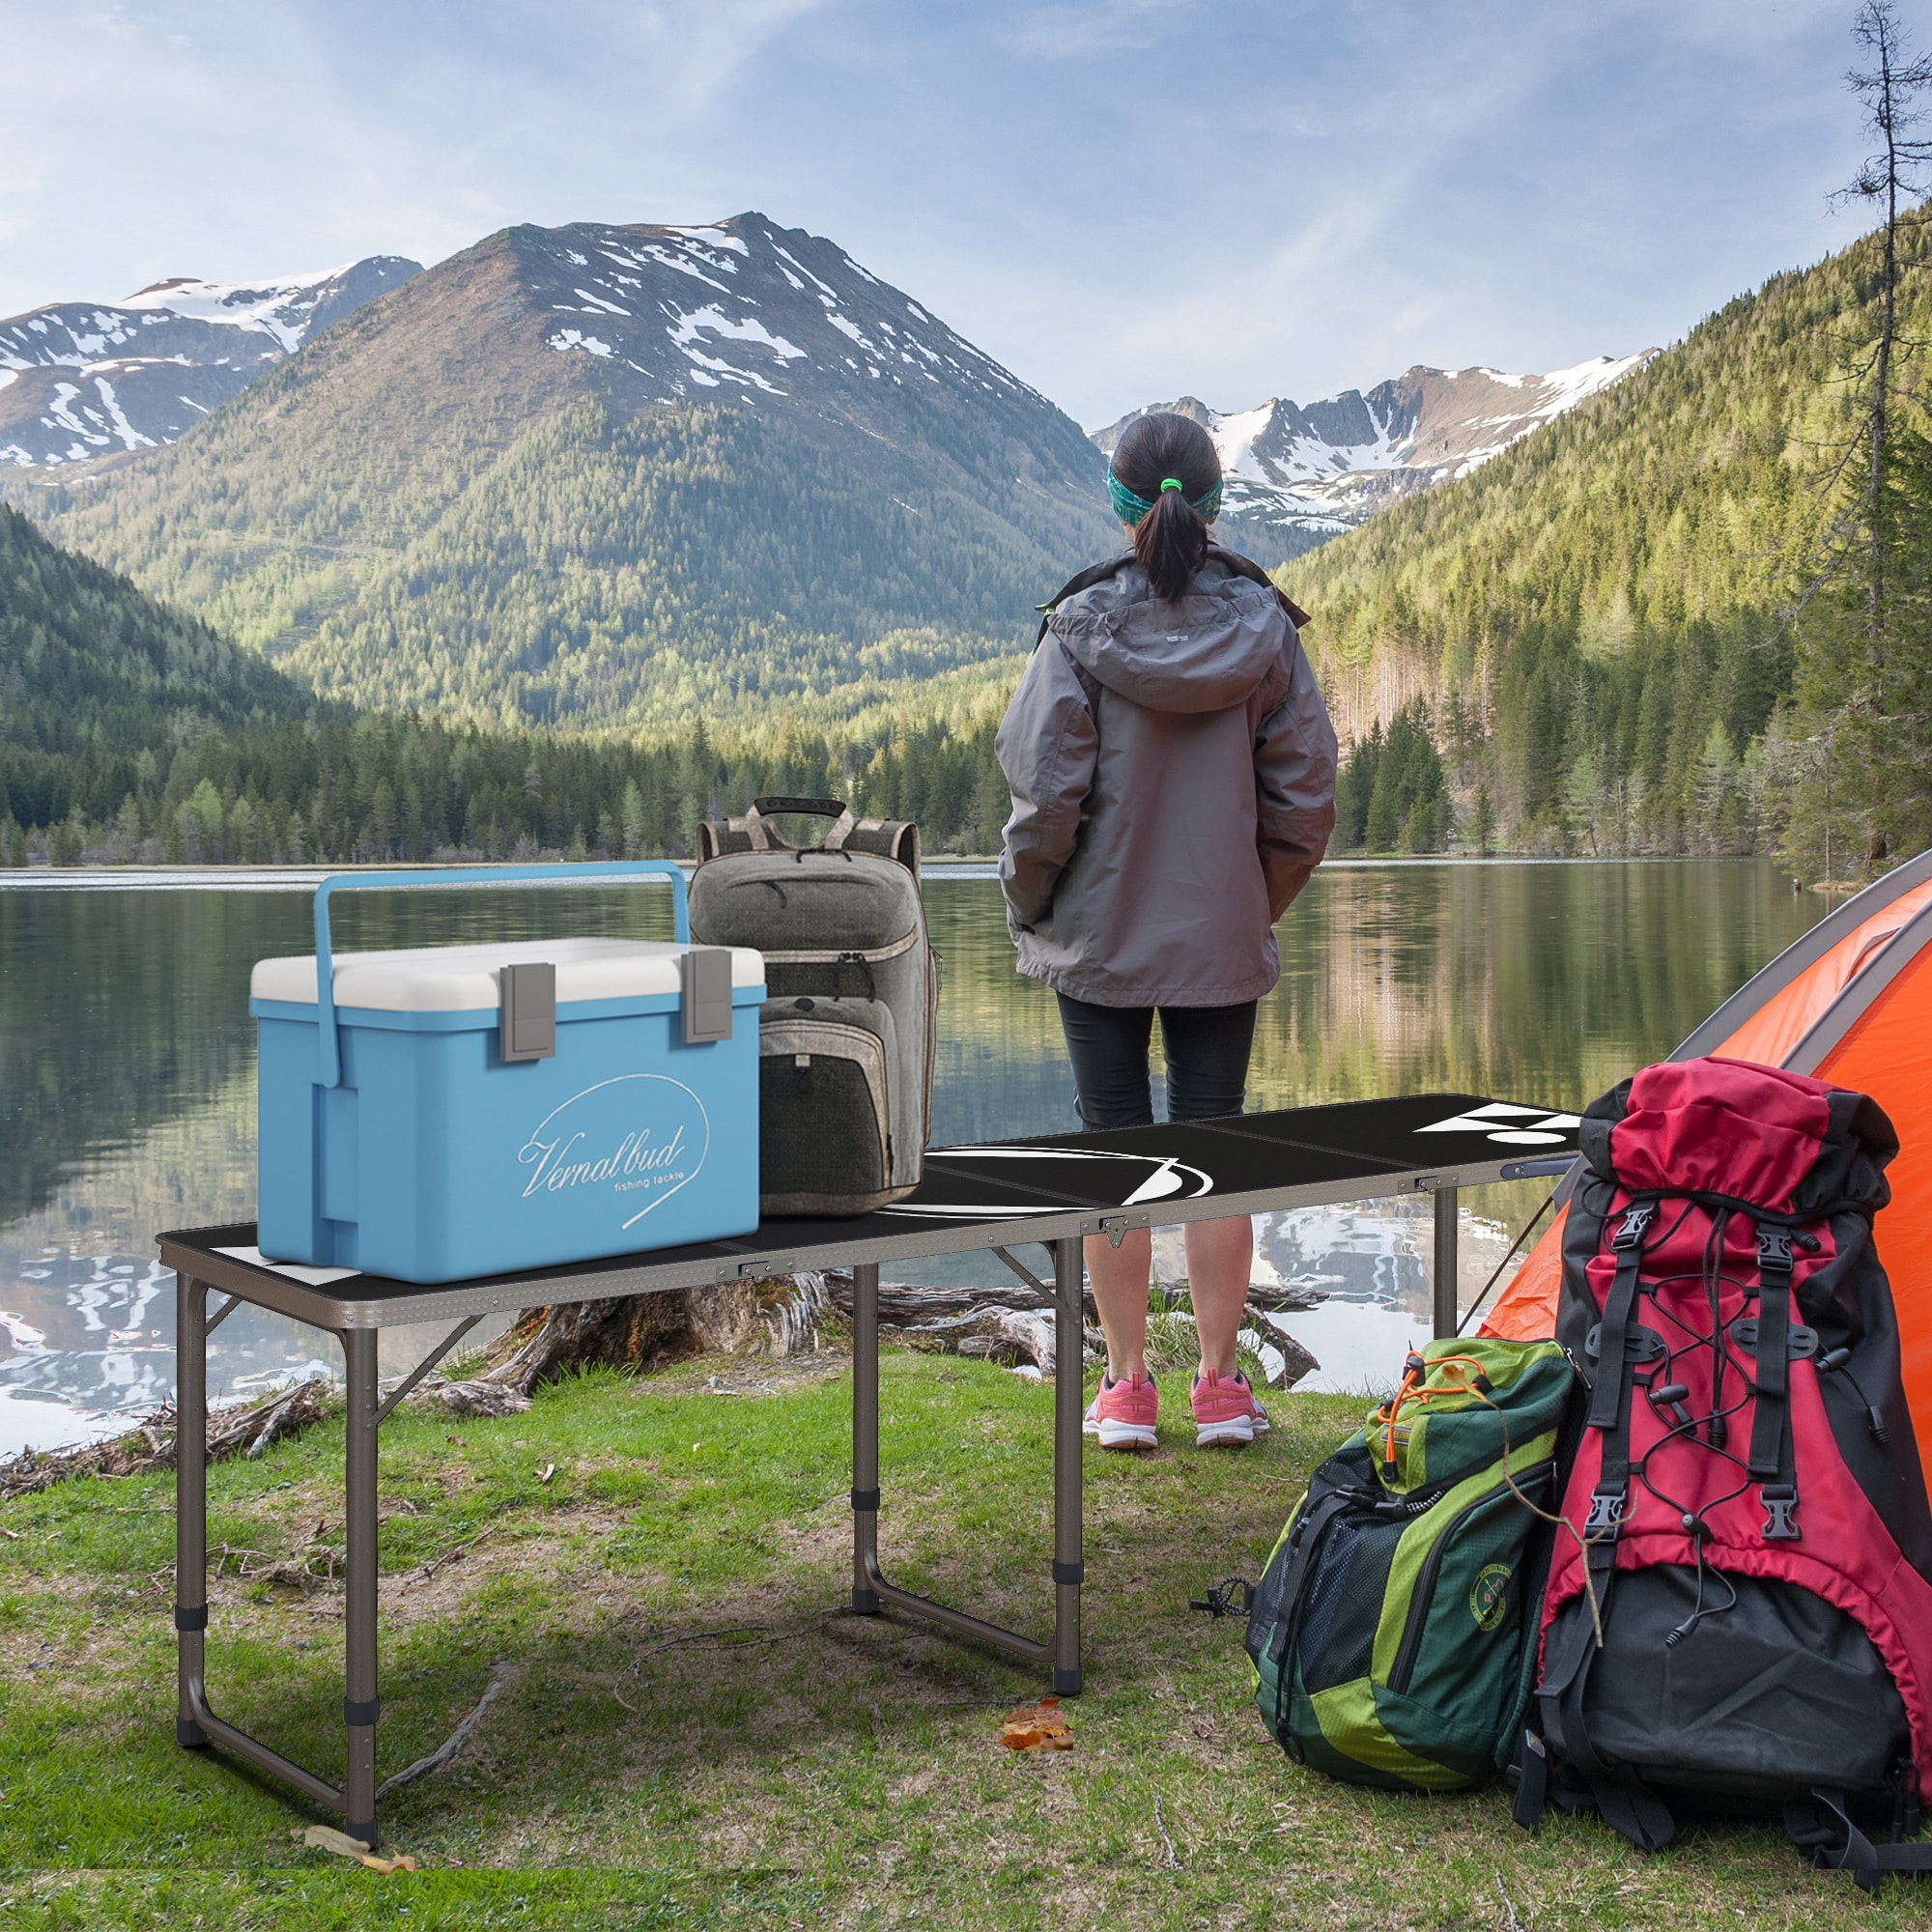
1821 1825
894 838
716 837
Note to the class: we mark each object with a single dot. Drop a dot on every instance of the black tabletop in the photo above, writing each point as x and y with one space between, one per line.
1028 1190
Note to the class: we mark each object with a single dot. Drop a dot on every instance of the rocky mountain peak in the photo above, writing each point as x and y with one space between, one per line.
1297 474
83 381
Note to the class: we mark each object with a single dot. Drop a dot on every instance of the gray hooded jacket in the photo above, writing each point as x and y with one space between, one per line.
1173 773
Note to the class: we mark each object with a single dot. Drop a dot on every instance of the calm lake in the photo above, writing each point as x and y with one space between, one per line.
127 1072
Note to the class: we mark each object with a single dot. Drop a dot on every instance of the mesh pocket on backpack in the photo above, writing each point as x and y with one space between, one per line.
1344 1607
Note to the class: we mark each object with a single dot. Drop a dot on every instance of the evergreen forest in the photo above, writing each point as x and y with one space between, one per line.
129 731
1649 626
597 571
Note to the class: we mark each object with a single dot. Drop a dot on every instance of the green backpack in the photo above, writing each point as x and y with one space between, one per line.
1393 1632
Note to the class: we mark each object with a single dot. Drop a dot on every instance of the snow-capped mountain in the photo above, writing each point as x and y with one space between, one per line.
1307 472
623 471
80 381
787 323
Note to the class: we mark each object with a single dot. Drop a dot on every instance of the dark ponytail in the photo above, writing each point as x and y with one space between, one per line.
1171 540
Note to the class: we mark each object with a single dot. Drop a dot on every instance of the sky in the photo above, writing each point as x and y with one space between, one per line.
1124 201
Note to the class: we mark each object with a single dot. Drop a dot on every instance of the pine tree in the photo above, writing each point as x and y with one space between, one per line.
1889 89
1482 821
1867 782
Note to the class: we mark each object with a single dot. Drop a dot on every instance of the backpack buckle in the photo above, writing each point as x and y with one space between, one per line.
1631 1233
1782 1524
1774 1248
1606 1514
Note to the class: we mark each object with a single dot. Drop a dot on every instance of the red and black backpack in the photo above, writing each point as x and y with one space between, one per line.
1739 1615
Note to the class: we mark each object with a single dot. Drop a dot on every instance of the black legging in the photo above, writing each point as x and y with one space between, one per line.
1208 1051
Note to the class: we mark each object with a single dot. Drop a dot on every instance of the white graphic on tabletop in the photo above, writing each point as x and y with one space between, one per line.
1158 1179
1511 1125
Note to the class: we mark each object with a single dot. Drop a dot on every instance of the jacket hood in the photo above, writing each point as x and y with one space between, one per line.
1206 651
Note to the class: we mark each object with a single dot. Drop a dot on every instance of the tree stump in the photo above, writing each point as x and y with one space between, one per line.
638 1332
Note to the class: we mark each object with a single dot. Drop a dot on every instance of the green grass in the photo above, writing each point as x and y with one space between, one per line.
824 1771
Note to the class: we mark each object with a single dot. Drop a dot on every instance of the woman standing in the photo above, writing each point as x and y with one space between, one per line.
1173 773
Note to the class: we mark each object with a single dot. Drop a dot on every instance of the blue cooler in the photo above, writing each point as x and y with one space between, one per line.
452 1111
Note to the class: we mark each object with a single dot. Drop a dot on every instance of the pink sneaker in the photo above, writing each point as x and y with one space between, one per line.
1224 1407
1257 1416
1122 1414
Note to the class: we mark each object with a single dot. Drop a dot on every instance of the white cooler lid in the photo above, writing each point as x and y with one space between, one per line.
462 979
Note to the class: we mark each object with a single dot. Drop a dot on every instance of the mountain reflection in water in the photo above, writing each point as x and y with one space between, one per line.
127 1092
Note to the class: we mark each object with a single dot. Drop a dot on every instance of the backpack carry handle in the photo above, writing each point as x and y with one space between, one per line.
460 875
763 839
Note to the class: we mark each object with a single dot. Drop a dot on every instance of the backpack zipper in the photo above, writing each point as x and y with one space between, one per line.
1404 1666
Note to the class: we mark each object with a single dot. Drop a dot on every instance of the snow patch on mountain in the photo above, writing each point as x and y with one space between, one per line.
794 309
1325 467
142 370
279 308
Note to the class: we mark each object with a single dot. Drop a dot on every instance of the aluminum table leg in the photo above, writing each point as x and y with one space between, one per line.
1443 1284
872 1589
864 1438
1070 1567
359 1704
195 1723
190 1505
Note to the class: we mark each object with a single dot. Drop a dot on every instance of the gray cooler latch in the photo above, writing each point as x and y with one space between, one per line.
528 1029
705 973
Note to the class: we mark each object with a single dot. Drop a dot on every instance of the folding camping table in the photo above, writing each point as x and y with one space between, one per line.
1050 1191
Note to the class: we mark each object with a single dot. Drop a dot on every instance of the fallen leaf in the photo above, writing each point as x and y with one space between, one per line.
13 1535
548 1470
326 1839
1035 1727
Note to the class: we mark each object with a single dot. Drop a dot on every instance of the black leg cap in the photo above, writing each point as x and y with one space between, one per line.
865 1602
188 1734
1066 1683
366 1832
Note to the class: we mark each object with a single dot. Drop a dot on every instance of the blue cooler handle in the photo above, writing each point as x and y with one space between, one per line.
461 876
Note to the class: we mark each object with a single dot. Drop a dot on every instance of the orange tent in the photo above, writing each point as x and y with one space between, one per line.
1850 1002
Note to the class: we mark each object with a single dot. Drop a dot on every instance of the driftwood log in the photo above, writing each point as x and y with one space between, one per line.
1009 1321
901 1303
1012 1323
150 1445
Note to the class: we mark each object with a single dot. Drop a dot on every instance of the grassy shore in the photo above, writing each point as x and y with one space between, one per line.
692 1731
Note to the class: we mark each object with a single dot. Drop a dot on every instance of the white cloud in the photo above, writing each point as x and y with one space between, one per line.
1096 27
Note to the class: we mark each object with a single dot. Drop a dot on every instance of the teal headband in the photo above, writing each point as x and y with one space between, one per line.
1131 508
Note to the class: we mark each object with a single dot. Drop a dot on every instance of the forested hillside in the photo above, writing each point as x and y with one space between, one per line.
129 731
1598 623
98 683
371 789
